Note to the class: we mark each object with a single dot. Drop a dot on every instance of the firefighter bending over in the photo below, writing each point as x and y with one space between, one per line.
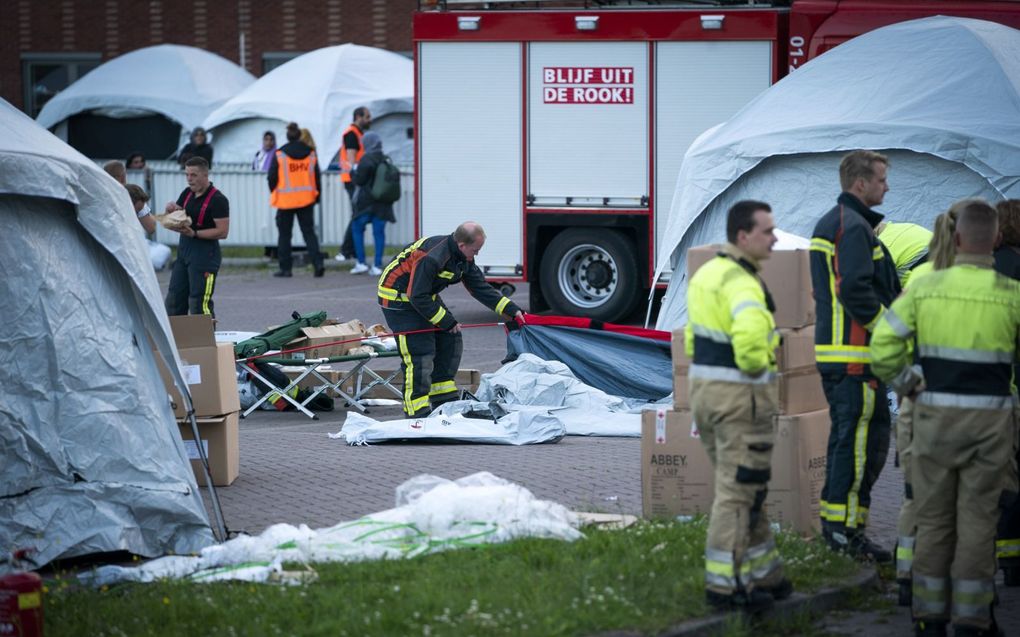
965 321
731 337
409 290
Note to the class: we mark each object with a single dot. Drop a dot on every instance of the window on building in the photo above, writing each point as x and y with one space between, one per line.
46 74
273 59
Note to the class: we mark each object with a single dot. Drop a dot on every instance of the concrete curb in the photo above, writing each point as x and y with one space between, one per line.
817 602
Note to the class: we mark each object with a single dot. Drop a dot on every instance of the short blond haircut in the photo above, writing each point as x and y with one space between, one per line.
859 164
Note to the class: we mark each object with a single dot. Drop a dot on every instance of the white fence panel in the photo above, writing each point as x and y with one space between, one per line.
253 221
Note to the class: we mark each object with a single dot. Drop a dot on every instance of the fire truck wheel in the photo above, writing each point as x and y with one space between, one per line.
590 272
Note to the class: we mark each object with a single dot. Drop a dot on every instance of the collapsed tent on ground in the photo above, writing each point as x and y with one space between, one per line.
320 90
939 96
147 101
92 459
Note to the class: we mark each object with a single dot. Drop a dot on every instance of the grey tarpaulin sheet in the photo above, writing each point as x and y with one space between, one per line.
90 456
584 410
522 426
617 363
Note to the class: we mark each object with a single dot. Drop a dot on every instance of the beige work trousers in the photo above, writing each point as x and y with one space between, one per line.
737 424
906 527
959 457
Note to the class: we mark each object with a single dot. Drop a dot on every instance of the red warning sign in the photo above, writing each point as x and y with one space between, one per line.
588 85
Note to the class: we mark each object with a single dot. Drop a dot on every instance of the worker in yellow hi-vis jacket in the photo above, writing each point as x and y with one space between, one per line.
731 337
965 321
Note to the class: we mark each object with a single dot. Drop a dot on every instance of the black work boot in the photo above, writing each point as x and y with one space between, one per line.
930 628
286 274
906 592
858 546
751 603
780 591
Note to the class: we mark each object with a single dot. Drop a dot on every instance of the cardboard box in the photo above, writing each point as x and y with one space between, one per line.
208 368
787 273
800 386
325 341
677 478
219 437
676 475
798 471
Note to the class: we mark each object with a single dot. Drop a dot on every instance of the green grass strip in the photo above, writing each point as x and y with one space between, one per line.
643 578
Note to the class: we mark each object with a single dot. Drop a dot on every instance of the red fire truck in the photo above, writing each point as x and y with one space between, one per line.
561 126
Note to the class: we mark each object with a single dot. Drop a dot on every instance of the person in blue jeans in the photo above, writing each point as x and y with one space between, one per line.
367 209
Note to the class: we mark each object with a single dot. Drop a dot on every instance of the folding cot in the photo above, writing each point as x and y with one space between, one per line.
357 373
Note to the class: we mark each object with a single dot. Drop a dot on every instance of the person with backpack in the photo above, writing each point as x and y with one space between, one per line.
377 186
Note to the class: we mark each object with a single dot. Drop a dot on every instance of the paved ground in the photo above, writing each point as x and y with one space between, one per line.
292 472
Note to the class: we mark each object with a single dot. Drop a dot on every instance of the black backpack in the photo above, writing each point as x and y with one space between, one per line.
386 182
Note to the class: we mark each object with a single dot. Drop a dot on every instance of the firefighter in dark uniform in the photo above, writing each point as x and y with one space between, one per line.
1007 263
409 290
854 280
193 279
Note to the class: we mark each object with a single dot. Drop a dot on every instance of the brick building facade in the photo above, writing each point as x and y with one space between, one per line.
50 43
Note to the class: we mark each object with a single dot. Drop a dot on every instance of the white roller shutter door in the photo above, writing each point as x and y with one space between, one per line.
699 85
469 105
588 122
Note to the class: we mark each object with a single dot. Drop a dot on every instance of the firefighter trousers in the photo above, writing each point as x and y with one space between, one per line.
858 446
193 278
430 361
1007 543
285 226
906 526
959 457
737 424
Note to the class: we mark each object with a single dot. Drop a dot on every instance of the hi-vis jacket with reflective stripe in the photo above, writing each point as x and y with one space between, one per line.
427 267
966 322
854 280
730 333
908 245
296 181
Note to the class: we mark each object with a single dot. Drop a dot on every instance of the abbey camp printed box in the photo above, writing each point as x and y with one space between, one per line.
677 477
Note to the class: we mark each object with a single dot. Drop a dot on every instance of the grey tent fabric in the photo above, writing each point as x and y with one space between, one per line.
91 459
940 96
618 364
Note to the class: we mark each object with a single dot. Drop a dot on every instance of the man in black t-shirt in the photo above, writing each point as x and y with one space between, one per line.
193 279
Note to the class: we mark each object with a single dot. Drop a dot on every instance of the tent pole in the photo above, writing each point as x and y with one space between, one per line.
221 527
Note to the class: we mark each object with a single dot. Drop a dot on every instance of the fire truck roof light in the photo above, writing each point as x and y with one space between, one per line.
586 22
712 22
468 23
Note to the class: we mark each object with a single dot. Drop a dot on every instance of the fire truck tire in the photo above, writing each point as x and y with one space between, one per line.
592 273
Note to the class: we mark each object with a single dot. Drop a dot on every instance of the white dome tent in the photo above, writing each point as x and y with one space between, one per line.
320 90
92 459
940 96
148 99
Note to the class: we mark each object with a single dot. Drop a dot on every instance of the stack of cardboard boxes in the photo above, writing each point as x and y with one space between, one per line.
676 475
208 369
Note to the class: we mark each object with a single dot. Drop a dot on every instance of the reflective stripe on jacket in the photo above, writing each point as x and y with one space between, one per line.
414 279
731 333
966 323
345 166
908 245
854 280
295 184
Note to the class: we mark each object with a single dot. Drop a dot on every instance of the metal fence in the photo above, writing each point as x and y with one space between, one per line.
253 221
